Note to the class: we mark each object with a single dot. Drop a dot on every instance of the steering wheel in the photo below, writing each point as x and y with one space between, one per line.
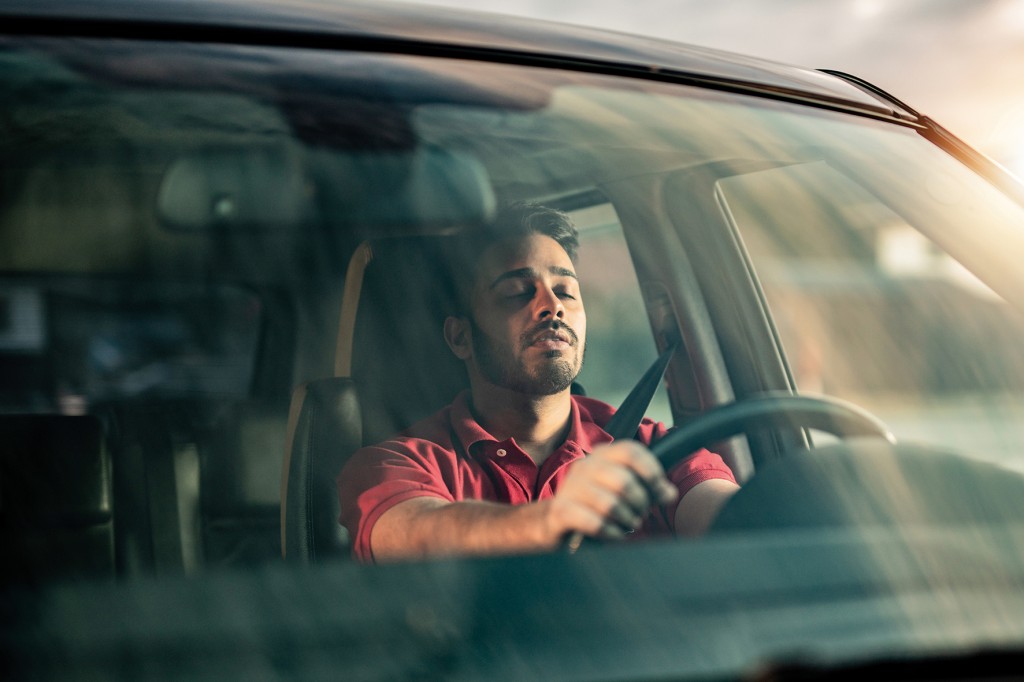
764 410
768 410
803 488
848 483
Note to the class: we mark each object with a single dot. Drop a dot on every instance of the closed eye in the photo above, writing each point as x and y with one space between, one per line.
520 295
566 292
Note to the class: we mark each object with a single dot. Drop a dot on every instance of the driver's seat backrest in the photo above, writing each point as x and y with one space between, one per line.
392 368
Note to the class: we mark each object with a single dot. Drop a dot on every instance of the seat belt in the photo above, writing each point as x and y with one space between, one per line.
626 420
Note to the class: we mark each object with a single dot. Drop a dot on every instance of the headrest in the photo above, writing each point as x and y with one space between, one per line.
399 359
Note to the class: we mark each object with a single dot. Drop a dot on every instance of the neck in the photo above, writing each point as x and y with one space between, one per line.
539 424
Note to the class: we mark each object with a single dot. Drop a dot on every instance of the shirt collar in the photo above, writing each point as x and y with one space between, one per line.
583 431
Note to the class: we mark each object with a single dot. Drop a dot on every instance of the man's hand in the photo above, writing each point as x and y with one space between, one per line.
608 493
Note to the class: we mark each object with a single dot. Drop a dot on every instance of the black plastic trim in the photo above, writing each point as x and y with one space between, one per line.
146 30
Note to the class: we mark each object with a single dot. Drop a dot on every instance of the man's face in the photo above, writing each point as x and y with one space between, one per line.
528 325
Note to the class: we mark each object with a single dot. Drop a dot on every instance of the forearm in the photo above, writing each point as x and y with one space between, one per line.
428 526
604 495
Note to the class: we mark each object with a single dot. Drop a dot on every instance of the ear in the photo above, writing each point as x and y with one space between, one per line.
458 336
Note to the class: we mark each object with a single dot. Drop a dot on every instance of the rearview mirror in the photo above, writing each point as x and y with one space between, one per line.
282 187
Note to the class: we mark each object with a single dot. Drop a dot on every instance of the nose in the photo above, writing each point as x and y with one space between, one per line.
548 304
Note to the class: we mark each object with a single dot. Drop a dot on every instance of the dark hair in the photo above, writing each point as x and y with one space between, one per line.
514 221
523 219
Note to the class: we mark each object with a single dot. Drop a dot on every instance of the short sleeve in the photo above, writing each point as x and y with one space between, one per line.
376 479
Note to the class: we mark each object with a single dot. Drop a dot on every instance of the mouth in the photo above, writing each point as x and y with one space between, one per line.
551 344
551 339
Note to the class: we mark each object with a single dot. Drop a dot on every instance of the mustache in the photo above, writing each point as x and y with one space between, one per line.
531 336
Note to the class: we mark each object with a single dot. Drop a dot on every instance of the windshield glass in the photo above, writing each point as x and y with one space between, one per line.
189 233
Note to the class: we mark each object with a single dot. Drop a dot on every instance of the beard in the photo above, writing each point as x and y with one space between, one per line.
501 367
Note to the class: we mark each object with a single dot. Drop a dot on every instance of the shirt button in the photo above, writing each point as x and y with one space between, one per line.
501 452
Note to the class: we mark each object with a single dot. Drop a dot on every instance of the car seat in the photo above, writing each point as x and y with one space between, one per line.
392 368
56 499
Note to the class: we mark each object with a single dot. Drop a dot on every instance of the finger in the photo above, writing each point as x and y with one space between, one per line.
646 467
652 476
625 517
579 516
574 541
638 495
660 490
612 531
624 483
607 505
610 507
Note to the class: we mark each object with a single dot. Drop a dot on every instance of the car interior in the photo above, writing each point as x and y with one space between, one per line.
214 289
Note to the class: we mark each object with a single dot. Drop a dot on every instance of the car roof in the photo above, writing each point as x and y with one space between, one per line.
443 32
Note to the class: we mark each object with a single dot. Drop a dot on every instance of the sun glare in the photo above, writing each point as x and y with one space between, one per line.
1015 163
868 9
1012 156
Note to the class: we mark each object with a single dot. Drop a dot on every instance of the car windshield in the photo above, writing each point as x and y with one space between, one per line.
189 232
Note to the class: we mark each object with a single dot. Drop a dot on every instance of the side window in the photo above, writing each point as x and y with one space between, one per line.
870 310
620 346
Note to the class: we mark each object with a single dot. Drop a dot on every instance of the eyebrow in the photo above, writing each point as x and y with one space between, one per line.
530 273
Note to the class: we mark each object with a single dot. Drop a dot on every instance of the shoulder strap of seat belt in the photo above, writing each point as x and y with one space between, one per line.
626 420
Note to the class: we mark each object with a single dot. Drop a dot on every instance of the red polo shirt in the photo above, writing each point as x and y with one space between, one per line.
450 456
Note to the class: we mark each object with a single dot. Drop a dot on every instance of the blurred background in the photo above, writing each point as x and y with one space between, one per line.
961 62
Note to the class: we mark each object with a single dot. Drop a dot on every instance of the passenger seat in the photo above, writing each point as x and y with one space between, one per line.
56 502
240 486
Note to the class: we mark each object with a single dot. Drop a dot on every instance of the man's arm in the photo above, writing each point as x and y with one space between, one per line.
701 504
431 526
603 495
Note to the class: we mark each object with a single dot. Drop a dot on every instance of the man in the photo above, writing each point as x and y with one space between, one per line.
517 463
